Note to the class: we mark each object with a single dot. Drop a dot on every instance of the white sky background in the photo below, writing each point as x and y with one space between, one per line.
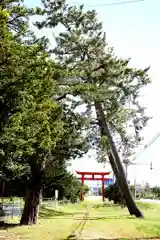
133 31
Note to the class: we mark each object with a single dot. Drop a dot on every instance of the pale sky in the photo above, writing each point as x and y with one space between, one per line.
132 29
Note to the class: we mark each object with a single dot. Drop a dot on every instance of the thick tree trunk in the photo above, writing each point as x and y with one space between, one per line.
116 163
31 207
116 173
32 202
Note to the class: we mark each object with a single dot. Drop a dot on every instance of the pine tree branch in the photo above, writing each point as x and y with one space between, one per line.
61 97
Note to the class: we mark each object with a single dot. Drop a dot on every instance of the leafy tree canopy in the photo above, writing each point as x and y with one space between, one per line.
98 73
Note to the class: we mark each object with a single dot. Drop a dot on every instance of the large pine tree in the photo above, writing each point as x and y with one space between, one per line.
101 79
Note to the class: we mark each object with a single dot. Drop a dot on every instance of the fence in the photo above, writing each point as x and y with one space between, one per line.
12 208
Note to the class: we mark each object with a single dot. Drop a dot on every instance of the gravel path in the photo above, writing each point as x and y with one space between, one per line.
4 235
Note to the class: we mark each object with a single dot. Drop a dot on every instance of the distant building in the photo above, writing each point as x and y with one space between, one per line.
108 182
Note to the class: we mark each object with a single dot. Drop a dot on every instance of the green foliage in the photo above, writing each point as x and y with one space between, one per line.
156 191
18 16
113 193
40 127
37 133
73 188
98 74
18 180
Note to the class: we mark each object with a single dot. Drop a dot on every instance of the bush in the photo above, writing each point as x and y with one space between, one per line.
113 193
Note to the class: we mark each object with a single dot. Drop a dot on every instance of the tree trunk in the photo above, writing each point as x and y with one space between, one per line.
116 173
31 207
32 202
116 163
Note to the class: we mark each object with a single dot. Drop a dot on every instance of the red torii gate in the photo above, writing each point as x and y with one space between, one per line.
93 174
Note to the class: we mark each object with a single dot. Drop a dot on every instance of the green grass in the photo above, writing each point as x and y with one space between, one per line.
102 221
5 200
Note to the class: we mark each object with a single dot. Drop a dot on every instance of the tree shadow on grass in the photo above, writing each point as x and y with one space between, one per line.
106 205
5 226
100 218
140 238
73 237
50 213
109 217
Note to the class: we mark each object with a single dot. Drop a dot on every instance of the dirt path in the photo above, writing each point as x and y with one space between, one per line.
4 235
93 226
77 230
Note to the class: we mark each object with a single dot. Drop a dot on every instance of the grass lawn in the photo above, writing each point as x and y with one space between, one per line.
89 221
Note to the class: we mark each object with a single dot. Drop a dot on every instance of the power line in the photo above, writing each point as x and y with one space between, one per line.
149 143
152 141
146 147
116 3
127 162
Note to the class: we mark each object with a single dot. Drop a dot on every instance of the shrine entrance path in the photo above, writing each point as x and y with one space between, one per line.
106 221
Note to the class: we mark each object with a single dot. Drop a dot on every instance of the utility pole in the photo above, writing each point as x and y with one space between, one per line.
135 190
151 168
126 163
126 168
